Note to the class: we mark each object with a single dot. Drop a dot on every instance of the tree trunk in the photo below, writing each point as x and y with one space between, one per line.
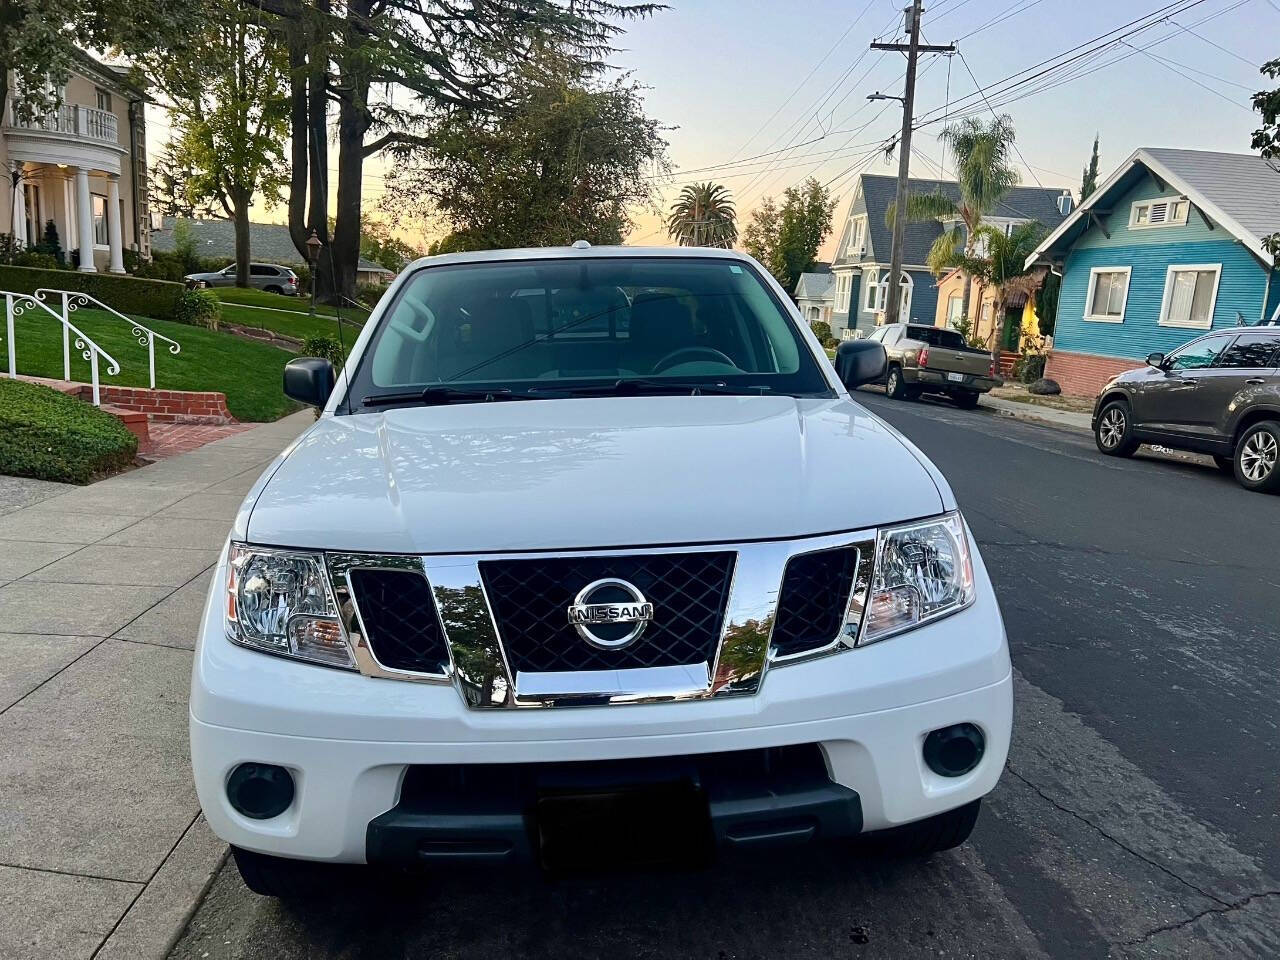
240 216
353 123
298 128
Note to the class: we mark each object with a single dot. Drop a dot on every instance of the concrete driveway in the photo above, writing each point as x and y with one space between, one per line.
103 852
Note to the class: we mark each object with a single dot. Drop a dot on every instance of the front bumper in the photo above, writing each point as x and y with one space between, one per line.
349 740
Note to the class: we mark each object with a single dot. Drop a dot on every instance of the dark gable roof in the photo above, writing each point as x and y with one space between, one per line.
268 242
878 192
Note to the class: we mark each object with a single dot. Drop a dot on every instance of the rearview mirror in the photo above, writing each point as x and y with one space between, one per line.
309 380
1156 360
859 362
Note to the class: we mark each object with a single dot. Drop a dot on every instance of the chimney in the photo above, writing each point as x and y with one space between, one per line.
1065 202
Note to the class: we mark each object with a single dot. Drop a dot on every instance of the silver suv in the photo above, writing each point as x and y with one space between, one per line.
262 276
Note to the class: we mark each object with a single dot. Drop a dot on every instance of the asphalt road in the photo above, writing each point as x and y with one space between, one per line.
1137 817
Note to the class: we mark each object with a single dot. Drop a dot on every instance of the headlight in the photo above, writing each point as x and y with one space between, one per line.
279 600
923 571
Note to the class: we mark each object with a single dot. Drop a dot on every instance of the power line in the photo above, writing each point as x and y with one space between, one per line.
1013 143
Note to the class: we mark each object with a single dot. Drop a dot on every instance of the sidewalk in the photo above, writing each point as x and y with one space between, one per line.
103 852
1031 411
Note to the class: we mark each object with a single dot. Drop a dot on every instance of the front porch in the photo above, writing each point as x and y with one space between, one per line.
66 167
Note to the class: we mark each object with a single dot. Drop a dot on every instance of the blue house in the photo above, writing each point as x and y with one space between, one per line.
1168 247
863 252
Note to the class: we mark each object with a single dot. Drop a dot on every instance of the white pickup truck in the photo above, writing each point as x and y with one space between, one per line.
591 558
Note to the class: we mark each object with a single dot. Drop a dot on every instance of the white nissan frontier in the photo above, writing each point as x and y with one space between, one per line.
589 558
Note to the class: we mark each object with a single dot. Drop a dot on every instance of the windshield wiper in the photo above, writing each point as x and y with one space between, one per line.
440 395
634 386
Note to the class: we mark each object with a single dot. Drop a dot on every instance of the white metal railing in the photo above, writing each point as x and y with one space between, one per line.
73 119
72 300
16 304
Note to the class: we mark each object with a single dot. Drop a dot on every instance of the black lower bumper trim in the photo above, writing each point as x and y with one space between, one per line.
639 812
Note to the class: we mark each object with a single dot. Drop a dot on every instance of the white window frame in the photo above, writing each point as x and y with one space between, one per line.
873 302
1179 220
857 237
1124 303
106 221
1167 302
843 286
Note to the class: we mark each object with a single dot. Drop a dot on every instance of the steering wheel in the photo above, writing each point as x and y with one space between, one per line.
687 353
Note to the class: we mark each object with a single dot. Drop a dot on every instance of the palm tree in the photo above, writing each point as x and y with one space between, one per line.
703 216
1002 268
984 174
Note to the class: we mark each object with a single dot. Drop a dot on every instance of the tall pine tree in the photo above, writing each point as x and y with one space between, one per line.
1089 182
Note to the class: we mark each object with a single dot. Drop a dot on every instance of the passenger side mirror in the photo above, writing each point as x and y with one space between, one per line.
309 380
1156 360
859 362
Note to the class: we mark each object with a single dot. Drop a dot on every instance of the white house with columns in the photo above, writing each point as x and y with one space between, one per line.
82 166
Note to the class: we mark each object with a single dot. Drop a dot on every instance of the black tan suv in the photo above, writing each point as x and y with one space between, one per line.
1218 394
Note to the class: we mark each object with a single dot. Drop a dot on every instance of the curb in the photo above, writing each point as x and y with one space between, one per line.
1014 410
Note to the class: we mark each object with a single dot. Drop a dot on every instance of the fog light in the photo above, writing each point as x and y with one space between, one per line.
954 751
260 791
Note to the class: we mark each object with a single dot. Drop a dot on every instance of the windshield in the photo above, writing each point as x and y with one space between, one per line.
937 337
550 327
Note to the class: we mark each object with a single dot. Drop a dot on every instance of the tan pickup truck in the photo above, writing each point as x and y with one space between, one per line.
926 359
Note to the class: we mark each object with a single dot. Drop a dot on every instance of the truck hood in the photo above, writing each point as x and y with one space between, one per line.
584 473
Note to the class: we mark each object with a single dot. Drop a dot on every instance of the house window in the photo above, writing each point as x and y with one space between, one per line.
955 307
1159 213
857 239
104 99
877 294
1190 292
1108 290
842 293
99 220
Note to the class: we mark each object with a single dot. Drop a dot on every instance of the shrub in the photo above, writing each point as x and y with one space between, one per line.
51 244
1029 367
370 293
130 295
198 308
326 347
822 330
38 259
51 436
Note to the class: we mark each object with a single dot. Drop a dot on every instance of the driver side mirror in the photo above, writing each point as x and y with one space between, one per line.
859 362
309 380
1156 360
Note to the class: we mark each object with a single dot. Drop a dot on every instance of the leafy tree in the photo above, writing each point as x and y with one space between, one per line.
228 95
567 163
40 40
1266 139
786 238
1001 268
985 174
1047 303
703 216
395 69
379 244
1089 181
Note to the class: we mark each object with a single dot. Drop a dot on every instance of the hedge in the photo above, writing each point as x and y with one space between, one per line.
51 436
130 295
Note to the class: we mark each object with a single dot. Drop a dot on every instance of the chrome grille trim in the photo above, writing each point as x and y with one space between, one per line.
478 663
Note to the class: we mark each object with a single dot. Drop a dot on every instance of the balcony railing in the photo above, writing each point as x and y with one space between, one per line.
72 119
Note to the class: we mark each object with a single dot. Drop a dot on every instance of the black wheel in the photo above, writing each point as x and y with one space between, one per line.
919 839
1225 464
1114 431
966 399
270 876
894 386
273 289
1257 459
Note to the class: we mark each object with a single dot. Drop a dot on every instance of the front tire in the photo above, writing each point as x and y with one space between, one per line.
1113 433
274 289
1257 458
924 837
894 386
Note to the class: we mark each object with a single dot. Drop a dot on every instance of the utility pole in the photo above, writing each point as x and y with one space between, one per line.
912 49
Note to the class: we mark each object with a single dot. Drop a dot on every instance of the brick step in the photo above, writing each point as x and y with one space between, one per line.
136 422
159 406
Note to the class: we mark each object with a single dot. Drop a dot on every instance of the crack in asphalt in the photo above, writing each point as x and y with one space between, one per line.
1222 904
1224 908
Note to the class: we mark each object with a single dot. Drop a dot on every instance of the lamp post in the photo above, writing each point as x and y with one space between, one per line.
313 254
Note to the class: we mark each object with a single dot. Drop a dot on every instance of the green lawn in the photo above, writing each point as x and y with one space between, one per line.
248 373
290 324
260 298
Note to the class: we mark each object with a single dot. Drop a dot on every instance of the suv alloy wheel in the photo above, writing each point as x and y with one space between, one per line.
1257 457
1113 432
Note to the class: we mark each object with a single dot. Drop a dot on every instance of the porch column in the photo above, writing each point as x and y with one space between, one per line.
113 225
19 197
84 217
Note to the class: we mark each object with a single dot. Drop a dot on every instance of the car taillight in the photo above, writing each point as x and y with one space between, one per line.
991 369
293 281
924 356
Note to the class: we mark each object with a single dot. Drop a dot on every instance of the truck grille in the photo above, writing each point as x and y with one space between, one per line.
530 600
400 622
815 593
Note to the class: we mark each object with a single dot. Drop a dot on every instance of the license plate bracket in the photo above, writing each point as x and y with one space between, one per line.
630 826
955 377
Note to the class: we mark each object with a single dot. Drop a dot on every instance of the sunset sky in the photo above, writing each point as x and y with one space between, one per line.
736 79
